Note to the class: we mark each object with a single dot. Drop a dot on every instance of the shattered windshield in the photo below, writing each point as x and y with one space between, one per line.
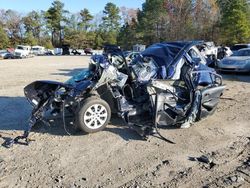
78 77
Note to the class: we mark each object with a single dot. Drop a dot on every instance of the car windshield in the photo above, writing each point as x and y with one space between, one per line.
242 53
20 48
78 77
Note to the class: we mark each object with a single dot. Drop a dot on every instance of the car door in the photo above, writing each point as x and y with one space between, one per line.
210 99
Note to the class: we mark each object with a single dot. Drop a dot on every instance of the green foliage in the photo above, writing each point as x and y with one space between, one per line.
55 17
128 35
111 17
98 40
234 23
86 17
151 20
33 23
12 21
29 39
109 37
76 39
221 21
110 24
76 32
4 39
46 42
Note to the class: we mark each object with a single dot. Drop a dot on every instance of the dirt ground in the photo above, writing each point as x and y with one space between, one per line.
117 157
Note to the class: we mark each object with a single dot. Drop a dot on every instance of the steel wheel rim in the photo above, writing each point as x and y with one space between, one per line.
95 116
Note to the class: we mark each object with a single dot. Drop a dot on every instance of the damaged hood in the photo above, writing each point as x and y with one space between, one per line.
39 91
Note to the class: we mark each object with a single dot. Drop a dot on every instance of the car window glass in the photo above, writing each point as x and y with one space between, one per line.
20 48
244 53
193 54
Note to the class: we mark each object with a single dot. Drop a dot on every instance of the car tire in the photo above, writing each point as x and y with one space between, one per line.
93 115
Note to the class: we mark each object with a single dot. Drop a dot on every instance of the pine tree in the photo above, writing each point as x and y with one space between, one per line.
4 39
235 23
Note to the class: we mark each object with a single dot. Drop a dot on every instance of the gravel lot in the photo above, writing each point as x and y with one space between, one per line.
117 157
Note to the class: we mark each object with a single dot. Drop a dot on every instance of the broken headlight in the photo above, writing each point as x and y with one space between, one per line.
59 93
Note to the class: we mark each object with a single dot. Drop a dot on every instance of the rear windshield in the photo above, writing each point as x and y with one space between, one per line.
238 47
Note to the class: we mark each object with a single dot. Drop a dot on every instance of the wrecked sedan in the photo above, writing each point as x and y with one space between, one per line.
168 84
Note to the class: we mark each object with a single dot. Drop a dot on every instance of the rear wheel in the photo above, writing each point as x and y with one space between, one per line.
94 115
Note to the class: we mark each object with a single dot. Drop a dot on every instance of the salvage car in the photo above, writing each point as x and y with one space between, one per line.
238 62
166 85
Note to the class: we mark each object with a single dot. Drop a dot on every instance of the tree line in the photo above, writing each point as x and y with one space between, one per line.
223 21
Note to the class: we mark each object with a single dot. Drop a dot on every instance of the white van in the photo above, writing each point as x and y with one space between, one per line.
38 50
22 51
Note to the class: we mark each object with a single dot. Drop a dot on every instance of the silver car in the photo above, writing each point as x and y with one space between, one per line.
238 62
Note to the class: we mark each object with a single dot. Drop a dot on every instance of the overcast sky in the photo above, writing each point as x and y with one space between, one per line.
94 6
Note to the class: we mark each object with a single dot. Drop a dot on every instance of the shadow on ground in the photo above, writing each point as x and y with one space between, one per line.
68 72
15 112
239 77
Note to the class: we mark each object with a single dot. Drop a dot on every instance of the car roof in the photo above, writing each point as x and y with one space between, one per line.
167 53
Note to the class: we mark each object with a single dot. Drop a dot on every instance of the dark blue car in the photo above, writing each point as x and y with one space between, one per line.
168 84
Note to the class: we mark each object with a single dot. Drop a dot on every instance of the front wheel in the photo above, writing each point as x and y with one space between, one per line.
94 115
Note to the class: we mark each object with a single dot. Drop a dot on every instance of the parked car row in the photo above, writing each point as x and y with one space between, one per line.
24 51
4 54
21 51
67 51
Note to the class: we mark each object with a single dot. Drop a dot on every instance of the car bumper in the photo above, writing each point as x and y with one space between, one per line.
234 68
